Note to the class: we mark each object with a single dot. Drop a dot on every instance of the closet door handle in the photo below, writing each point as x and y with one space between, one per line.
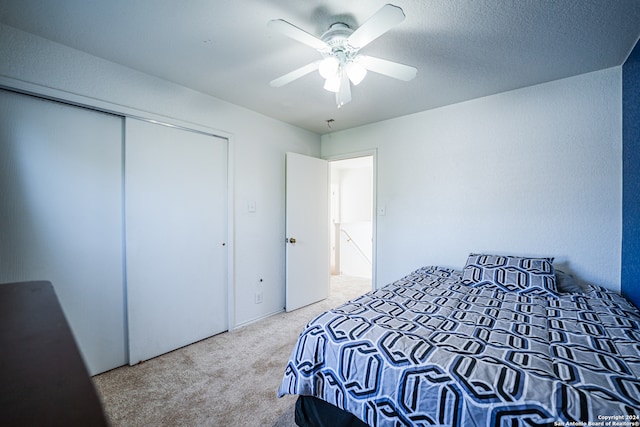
291 240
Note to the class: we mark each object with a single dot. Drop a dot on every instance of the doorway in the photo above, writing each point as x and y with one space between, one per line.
351 225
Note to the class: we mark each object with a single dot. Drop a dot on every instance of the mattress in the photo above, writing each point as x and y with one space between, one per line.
435 349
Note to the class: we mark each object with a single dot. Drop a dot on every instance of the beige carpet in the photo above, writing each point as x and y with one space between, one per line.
230 379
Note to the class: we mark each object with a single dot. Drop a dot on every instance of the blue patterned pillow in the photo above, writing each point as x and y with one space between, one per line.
523 275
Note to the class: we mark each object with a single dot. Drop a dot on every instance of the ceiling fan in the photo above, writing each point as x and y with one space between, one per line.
342 64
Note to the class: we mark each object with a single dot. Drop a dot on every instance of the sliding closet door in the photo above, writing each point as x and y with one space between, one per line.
61 215
176 226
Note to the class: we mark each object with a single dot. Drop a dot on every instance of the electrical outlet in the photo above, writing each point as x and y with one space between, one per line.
258 297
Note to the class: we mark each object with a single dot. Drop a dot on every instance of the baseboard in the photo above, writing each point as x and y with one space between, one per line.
257 319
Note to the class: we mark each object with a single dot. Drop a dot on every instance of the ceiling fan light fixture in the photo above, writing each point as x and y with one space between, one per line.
356 72
329 67
332 84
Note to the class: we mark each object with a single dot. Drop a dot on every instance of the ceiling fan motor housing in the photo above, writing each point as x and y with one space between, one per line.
336 37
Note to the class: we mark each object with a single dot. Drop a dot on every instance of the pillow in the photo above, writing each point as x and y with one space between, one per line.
566 283
523 275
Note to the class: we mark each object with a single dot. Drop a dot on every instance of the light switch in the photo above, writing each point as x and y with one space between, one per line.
251 206
382 210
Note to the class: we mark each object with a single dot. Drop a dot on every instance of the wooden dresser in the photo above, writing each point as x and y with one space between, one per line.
43 379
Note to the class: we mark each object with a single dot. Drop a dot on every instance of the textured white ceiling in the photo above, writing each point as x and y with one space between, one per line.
463 49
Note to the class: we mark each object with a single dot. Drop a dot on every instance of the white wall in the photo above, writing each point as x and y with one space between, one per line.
535 171
258 141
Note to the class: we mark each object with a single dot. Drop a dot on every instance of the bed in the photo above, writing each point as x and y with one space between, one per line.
507 341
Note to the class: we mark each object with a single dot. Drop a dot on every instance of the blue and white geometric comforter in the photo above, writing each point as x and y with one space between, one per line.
429 350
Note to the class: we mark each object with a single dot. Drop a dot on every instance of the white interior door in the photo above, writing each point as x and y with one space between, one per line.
176 231
61 216
307 228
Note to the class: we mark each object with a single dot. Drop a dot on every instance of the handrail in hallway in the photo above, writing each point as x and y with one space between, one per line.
350 239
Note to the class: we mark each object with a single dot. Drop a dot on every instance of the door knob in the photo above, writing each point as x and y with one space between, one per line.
292 240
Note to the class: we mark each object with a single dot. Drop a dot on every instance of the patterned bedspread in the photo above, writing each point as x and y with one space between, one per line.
430 350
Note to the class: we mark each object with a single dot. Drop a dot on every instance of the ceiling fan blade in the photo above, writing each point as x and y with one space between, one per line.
344 93
382 21
388 68
298 34
295 74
